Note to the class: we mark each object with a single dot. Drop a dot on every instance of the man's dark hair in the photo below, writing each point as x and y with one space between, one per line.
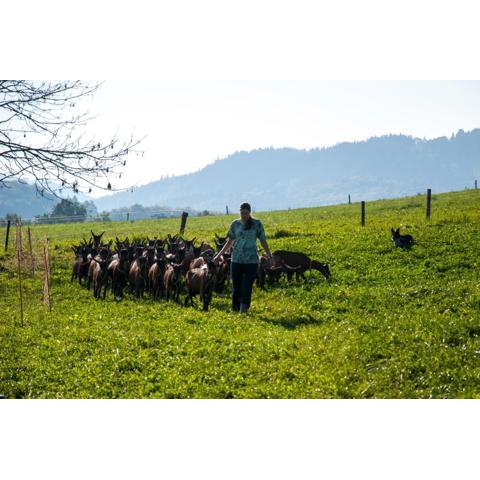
246 206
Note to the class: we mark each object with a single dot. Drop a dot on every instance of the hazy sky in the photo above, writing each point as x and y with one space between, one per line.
190 124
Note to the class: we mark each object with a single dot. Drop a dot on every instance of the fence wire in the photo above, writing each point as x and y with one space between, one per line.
22 276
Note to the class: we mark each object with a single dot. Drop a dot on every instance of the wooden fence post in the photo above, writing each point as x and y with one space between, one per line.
226 208
475 184
183 222
19 268
7 236
29 235
46 277
32 260
349 200
363 213
429 202
19 239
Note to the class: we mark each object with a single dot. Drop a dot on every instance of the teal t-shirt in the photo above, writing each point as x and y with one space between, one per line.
245 245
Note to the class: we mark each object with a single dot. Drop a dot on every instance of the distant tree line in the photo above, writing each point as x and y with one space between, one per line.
70 210
140 212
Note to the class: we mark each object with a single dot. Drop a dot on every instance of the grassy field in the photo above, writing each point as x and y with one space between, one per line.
390 323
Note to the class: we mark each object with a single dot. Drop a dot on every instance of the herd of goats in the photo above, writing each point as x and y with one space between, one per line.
167 267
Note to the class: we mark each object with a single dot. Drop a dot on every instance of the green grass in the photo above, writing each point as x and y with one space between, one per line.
390 323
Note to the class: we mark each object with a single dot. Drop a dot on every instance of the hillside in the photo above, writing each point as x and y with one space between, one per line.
23 199
390 323
272 179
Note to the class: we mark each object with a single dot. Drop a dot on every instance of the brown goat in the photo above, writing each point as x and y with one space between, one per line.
80 267
100 277
272 269
197 263
138 276
301 263
200 281
149 254
155 278
97 238
172 281
103 255
187 260
118 271
223 273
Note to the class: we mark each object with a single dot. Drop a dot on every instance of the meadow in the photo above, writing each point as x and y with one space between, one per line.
390 323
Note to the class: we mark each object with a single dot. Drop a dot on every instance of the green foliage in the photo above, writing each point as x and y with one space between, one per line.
391 323
69 210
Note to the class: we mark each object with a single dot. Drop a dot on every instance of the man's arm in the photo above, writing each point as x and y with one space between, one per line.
227 245
265 247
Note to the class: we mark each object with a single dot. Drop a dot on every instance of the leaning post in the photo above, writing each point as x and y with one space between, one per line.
429 202
183 222
7 236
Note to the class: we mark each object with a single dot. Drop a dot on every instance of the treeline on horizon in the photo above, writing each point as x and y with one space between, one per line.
71 210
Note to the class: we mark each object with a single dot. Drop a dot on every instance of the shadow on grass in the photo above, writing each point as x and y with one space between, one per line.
291 323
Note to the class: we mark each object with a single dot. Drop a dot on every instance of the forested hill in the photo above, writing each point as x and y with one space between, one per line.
23 200
380 167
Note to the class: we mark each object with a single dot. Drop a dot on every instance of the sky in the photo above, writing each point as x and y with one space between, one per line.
189 124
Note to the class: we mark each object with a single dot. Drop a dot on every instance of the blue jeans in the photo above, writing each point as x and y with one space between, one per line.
243 276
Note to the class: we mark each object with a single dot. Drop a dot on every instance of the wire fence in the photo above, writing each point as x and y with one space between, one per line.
25 281
113 217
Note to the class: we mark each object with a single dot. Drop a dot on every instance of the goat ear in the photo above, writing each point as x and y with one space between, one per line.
193 240
392 230
398 230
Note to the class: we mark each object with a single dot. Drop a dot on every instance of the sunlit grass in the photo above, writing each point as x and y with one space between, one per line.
390 323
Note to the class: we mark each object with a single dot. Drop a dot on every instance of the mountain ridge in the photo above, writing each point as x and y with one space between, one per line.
387 166
275 178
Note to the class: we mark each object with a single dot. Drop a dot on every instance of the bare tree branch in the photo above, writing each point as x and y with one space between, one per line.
38 140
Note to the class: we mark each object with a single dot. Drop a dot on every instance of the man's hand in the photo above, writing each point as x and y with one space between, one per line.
270 260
